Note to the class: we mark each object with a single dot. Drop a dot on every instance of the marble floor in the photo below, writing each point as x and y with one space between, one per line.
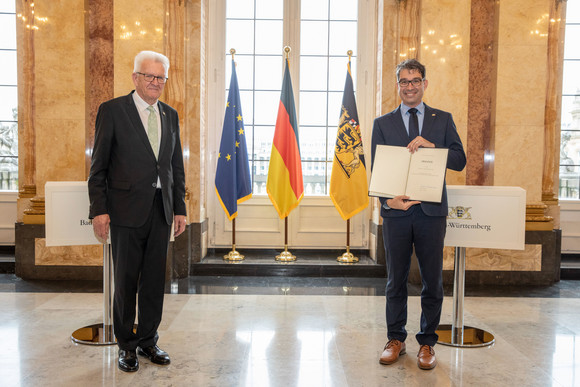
260 331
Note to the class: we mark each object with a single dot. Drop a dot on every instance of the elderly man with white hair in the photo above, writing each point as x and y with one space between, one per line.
137 191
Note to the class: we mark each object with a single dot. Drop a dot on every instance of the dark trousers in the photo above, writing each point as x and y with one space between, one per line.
139 256
426 234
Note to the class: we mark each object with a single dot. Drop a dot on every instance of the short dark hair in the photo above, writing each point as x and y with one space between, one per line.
411 64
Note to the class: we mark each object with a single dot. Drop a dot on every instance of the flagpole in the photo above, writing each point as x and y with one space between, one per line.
285 255
233 255
347 257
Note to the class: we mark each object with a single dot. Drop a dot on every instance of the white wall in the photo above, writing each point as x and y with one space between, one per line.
7 217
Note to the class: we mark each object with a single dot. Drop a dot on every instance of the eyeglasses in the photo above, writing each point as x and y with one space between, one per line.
416 82
150 77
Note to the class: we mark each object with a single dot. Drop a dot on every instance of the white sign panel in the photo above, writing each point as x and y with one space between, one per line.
67 214
486 216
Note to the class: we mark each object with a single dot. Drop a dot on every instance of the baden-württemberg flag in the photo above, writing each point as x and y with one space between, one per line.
233 183
285 186
348 182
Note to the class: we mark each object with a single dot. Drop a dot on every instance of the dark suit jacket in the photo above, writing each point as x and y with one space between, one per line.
439 128
124 171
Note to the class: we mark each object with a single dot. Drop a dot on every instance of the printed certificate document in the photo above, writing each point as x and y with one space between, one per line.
419 175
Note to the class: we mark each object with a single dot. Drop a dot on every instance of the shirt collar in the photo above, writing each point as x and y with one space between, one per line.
420 108
141 104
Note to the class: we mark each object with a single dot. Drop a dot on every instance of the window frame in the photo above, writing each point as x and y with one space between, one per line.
10 184
315 223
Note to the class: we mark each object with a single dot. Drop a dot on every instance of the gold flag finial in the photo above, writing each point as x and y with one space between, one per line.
233 52
349 53
287 50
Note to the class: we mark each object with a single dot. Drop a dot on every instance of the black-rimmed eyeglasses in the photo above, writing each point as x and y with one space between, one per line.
416 82
151 77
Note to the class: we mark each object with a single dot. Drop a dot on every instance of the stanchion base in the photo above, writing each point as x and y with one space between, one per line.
472 337
347 258
96 334
234 256
285 256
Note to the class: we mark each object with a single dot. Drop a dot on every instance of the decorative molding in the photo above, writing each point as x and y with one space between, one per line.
27 191
35 214
536 218
550 198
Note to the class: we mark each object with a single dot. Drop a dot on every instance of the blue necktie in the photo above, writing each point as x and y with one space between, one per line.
413 124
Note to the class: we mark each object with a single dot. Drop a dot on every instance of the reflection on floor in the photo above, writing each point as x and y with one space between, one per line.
273 331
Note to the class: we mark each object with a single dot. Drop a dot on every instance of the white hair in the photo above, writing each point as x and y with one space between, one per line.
152 55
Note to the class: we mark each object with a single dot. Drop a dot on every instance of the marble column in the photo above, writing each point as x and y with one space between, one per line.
409 29
552 119
185 25
197 111
482 91
25 29
99 66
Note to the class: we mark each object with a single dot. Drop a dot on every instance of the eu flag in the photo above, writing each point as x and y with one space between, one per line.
233 183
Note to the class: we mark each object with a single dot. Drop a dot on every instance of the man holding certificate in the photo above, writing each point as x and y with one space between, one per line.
409 223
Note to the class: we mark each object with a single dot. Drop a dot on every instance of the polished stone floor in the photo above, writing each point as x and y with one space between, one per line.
289 331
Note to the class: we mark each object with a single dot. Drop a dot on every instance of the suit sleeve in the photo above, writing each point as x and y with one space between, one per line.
100 162
377 139
179 207
456 158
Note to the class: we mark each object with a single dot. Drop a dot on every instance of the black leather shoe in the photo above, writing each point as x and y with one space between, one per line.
155 354
128 361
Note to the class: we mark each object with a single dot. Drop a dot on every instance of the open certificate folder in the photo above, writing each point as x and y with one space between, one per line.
419 175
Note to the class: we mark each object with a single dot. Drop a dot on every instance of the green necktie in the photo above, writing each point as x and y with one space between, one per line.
152 131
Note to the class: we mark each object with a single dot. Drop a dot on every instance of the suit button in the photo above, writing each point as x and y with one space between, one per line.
154 185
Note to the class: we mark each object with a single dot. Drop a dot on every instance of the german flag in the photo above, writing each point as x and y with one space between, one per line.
348 181
285 186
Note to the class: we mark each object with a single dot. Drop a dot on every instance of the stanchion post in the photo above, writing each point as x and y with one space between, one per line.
457 334
458 296
101 334
108 292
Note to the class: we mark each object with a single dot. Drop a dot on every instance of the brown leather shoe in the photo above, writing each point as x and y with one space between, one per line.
426 358
392 350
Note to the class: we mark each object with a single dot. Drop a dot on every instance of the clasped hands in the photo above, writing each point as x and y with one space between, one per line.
401 202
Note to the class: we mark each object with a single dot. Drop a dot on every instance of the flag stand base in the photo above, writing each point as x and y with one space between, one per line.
233 255
285 256
347 258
